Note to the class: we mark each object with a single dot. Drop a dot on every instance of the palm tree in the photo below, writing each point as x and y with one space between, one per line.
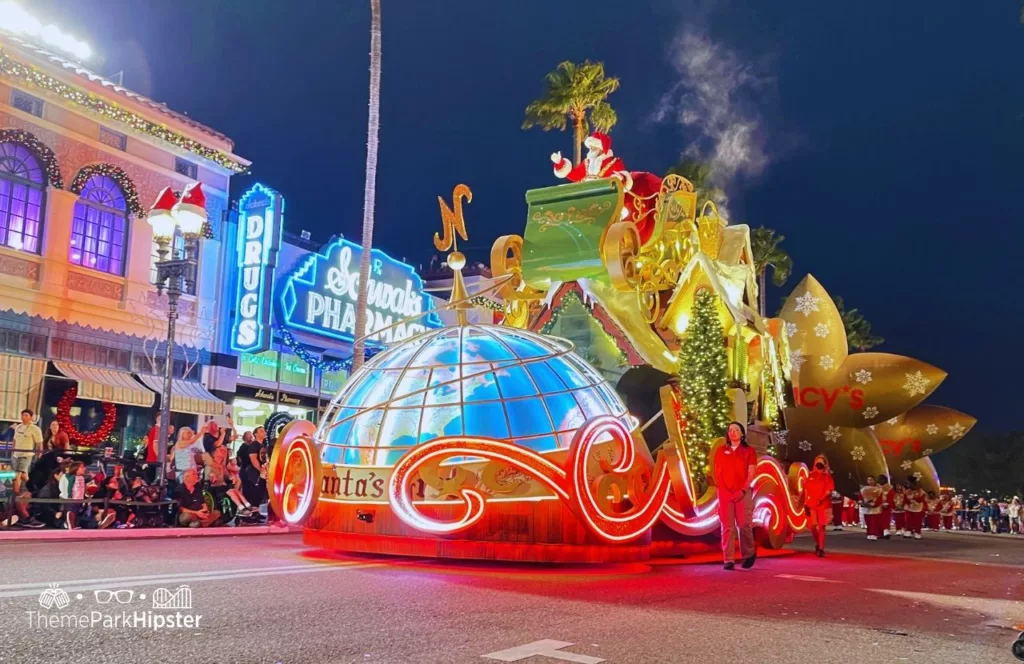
858 328
764 243
370 187
575 93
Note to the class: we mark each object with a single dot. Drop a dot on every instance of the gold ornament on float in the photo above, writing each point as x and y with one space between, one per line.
856 390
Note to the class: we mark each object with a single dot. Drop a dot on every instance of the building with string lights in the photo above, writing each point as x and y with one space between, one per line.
81 160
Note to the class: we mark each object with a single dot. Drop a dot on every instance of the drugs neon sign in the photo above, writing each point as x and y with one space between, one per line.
260 220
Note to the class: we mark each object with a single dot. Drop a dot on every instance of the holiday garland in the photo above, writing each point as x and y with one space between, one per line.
703 381
483 302
39 149
115 173
77 437
111 111
315 362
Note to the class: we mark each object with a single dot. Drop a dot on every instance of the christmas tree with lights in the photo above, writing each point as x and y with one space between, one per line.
703 381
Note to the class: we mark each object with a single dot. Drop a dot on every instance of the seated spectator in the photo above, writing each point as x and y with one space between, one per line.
51 514
224 481
111 489
193 510
80 515
141 492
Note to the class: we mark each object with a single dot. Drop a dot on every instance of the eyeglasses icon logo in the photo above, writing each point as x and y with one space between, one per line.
105 596
178 599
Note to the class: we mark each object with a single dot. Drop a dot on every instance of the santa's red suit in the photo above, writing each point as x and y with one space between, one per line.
641 188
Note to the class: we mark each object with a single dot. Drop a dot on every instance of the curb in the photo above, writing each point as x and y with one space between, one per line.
141 533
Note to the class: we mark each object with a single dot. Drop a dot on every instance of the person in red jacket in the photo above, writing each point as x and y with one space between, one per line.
734 466
885 516
898 499
915 505
818 501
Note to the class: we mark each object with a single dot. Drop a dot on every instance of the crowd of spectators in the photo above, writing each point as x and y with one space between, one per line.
206 485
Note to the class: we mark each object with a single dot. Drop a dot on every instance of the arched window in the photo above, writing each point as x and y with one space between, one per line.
99 229
22 191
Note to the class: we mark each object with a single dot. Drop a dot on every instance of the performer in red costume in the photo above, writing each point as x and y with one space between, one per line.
934 519
818 500
837 511
885 516
898 499
871 496
641 188
916 497
947 510
851 515
734 472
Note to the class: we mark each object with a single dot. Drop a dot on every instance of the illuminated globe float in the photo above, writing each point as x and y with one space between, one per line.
492 442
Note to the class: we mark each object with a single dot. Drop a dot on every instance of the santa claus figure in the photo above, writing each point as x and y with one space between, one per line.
641 188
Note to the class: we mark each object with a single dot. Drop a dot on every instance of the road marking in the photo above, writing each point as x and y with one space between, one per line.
78 585
543 648
797 577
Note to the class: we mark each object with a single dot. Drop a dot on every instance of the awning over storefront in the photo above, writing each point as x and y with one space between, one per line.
186 396
106 385
20 381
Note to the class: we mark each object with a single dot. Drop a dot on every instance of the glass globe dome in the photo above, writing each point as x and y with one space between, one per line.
475 380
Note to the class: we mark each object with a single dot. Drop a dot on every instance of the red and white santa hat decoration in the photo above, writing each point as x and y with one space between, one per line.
599 141
192 200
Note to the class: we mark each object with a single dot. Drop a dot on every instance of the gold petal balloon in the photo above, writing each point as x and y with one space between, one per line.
852 453
856 390
923 470
817 337
920 432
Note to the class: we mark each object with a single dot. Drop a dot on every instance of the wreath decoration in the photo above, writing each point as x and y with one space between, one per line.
90 438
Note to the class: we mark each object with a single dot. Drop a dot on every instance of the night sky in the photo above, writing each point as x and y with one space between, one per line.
884 139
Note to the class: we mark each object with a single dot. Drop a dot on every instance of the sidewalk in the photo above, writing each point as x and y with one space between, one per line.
26 535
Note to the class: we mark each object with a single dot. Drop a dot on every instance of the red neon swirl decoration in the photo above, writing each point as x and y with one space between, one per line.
86 439
664 492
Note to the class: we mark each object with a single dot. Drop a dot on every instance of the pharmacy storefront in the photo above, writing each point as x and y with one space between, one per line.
293 312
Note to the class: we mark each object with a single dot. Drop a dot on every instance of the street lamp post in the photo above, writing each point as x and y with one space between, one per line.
175 273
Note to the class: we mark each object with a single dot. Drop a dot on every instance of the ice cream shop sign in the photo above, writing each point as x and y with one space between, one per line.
319 295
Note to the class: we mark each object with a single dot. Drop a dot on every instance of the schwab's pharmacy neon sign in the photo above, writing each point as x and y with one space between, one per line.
260 220
320 295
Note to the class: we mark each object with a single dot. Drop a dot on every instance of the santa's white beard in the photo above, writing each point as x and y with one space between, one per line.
595 160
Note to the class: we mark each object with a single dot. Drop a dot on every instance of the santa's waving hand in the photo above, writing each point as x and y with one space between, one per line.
600 162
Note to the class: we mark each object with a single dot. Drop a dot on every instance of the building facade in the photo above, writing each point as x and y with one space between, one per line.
81 159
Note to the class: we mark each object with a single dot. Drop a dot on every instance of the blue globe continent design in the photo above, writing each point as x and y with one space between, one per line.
474 380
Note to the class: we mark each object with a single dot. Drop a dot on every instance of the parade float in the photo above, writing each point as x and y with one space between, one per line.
503 442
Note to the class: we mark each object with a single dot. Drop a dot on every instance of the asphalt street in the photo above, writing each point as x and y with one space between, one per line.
948 598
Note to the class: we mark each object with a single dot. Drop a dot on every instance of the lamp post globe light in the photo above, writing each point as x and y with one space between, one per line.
175 273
